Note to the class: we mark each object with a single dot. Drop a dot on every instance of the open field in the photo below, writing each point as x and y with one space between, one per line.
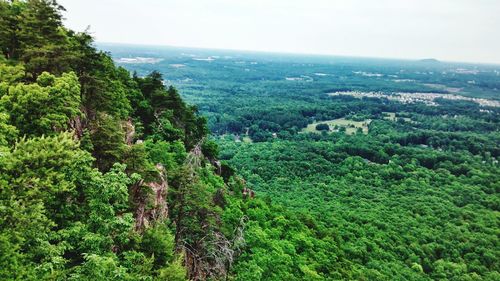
390 116
335 125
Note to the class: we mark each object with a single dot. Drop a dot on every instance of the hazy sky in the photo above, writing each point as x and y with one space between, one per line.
454 30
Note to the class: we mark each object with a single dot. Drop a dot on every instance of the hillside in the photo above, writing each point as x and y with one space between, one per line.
103 175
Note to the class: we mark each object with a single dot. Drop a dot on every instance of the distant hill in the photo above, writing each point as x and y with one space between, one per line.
429 60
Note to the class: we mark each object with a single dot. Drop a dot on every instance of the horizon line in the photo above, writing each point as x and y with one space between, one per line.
300 53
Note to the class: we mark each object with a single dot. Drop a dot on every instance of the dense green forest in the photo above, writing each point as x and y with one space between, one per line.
250 171
346 187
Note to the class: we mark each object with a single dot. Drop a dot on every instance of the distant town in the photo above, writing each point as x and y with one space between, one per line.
426 98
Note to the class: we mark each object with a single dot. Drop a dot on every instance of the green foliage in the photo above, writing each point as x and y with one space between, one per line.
80 196
173 272
108 176
414 199
170 154
158 243
210 149
39 178
105 87
107 141
363 209
322 127
7 132
165 115
56 207
38 38
137 160
9 74
108 197
45 107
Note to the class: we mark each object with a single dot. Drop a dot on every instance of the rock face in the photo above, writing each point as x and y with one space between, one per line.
151 200
160 192
129 131
248 193
77 126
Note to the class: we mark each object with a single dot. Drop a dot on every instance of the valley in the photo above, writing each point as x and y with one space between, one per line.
402 185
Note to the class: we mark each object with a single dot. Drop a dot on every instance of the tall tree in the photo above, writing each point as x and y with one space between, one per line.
44 107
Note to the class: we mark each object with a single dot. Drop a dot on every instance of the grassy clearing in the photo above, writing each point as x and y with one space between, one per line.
390 116
236 138
247 139
335 125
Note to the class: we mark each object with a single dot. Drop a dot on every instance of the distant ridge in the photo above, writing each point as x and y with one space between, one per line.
429 60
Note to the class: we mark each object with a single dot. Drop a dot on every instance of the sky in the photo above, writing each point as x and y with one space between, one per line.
449 30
